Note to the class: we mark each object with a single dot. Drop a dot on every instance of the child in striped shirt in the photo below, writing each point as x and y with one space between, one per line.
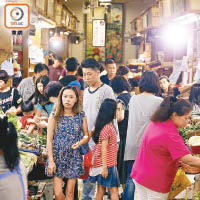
104 161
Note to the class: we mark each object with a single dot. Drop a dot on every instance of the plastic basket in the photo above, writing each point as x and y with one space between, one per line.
195 149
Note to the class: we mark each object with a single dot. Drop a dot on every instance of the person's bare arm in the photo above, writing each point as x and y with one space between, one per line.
50 133
85 138
104 158
190 160
185 88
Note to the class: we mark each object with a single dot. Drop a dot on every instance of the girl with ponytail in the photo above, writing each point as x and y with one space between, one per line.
12 173
162 149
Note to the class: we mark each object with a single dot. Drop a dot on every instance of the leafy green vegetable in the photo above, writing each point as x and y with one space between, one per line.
185 132
197 196
13 119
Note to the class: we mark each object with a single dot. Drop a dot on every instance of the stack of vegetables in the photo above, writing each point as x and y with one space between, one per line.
28 159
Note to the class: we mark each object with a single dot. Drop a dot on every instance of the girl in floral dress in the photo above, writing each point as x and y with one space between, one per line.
63 134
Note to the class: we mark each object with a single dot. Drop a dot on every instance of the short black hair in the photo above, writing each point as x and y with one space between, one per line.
122 70
91 63
133 82
80 71
119 84
52 89
4 76
50 62
27 106
46 67
164 77
71 64
149 82
39 67
109 61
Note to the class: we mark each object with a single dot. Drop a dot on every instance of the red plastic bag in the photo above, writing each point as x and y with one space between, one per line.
87 164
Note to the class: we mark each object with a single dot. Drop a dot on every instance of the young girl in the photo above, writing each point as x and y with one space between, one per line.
27 120
104 169
63 133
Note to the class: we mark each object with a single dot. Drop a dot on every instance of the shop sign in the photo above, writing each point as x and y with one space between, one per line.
16 16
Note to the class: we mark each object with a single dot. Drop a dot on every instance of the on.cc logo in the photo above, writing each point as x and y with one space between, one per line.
16 14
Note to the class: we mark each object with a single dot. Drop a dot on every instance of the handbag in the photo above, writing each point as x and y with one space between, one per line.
84 148
87 165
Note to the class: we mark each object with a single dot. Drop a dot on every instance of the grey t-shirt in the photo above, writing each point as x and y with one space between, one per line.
10 186
92 102
26 88
141 108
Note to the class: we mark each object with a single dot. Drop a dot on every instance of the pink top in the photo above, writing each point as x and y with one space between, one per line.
158 157
63 73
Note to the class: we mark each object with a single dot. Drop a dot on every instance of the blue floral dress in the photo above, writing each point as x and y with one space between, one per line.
69 162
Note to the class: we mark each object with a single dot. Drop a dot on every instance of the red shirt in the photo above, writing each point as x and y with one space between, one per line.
158 157
54 73
108 131
24 121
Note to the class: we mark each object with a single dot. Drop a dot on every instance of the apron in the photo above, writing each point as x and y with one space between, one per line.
18 172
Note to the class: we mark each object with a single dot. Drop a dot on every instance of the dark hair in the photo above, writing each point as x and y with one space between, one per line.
38 96
106 115
8 143
109 61
195 94
4 76
120 84
27 106
170 105
149 82
50 62
46 67
164 77
80 71
91 63
40 67
52 89
60 59
122 70
71 64
133 82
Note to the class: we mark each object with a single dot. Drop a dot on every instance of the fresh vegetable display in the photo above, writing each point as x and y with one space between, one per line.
28 159
197 196
186 132
28 141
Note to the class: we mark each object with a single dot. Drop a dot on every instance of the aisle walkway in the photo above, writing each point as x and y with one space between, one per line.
105 197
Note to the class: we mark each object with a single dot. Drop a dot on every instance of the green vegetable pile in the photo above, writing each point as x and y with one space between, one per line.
28 159
13 119
185 132
197 196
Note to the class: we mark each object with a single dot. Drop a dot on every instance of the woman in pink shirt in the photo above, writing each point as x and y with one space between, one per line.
161 150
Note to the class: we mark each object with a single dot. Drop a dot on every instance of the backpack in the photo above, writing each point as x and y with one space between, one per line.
75 84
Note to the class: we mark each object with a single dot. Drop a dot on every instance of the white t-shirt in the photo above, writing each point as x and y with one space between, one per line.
92 101
141 108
